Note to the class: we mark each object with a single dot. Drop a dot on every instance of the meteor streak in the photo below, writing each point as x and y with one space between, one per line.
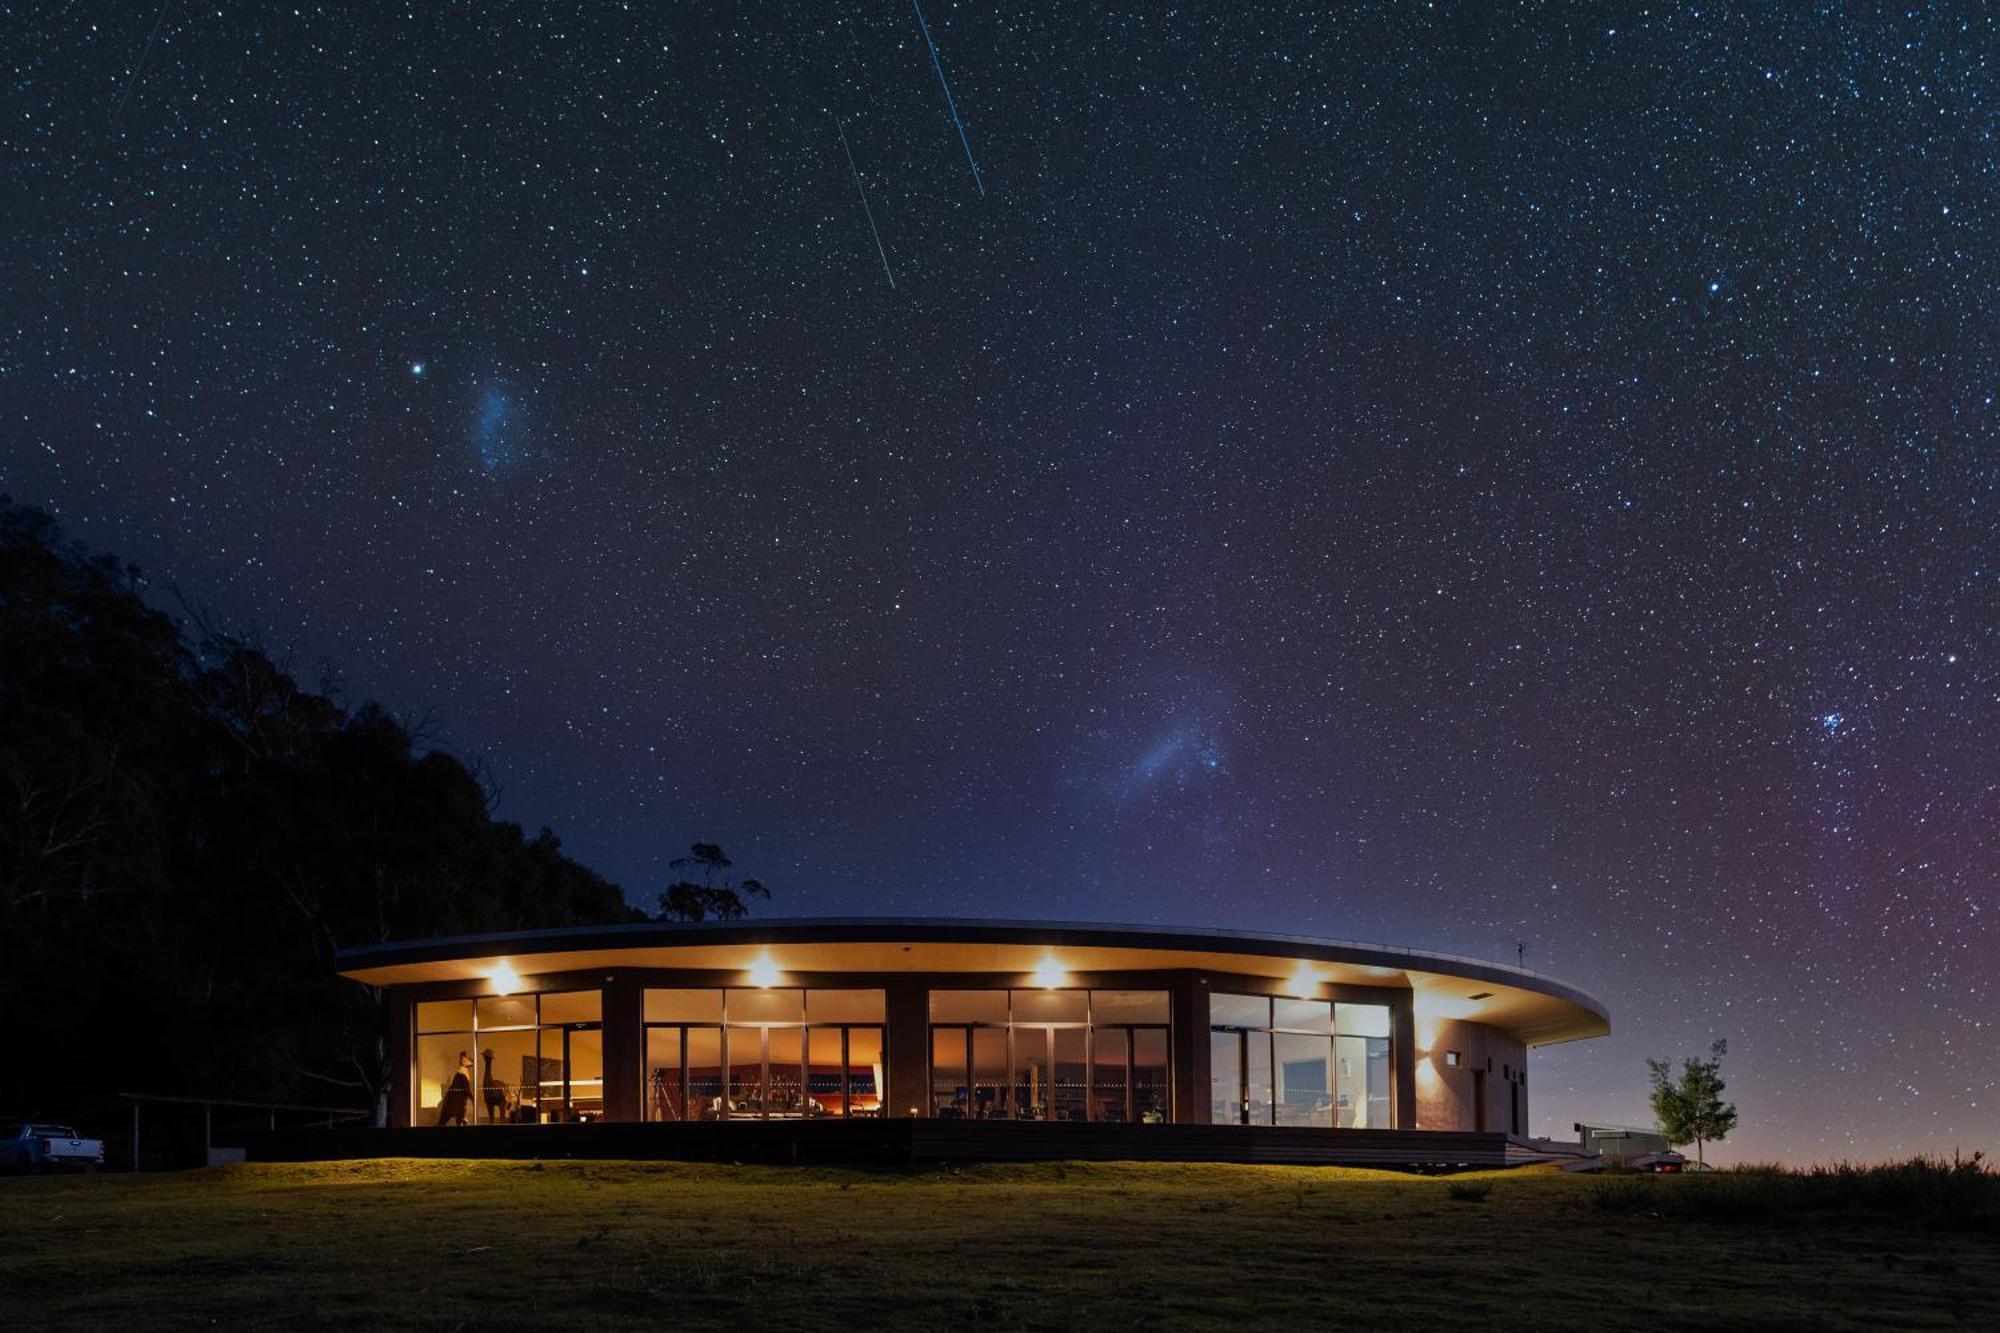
863 192
950 105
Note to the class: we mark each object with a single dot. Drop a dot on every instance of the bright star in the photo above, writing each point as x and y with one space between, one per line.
417 369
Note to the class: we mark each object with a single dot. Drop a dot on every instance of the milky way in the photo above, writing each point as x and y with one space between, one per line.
1567 447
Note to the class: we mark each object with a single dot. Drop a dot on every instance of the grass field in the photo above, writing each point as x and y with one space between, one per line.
559 1246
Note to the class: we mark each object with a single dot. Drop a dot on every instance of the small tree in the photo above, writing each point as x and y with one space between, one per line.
686 900
1690 1108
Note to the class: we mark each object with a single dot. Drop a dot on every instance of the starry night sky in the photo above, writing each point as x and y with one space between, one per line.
1443 475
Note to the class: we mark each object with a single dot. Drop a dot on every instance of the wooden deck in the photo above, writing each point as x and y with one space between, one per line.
905 1141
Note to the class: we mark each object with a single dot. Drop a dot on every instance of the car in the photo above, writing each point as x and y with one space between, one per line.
44 1147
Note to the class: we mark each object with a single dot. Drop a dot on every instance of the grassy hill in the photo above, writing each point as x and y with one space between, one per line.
504 1245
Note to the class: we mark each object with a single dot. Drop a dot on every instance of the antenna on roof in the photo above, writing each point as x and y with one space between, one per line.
1520 954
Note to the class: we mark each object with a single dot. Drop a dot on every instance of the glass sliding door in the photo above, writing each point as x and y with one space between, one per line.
506 1059
989 1074
1128 1075
1069 1091
1110 1089
1031 1073
1257 1078
666 1074
951 1089
1151 1104
784 1073
865 1085
1227 1103
704 1073
1363 1066
826 1092
745 1048
1304 1079
1050 1054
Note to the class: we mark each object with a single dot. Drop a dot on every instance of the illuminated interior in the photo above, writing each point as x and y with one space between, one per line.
969 1022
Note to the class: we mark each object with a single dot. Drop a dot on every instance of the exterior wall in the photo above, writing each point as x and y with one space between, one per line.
1445 1096
400 1050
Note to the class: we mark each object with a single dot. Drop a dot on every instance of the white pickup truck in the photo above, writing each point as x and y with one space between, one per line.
45 1147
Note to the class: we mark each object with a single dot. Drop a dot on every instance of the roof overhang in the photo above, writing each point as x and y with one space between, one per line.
1538 1010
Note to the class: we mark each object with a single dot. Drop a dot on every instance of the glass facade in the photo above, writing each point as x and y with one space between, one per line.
763 1054
1080 1054
1282 1061
509 1059
1054 1054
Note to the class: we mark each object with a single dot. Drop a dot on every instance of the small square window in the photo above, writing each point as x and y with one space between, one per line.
1451 1059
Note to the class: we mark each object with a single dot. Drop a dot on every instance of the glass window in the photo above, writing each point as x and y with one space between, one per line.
574 1006
1239 1011
1108 1076
444 1016
704 1073
1362 1020
1305 1079
666 1079
989 1074
968 1006
1363 1075
844 1006
506 1011
510 1077
1069 1092
950 1090
746 1072
826 1089
767 1006
1058 1059
1225 1078
1051 1006
1031 1073
1257 1090
784 1079
865 1083
441 1097
1128 1006
1303 1015
683 1006
571 1073
1149 1076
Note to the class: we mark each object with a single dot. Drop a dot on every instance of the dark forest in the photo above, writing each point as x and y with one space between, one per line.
187 834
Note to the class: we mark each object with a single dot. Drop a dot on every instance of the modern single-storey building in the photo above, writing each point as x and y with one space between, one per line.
1098 1035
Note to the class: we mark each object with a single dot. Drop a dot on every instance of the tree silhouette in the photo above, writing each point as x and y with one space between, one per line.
187 834
1690 1108
687 900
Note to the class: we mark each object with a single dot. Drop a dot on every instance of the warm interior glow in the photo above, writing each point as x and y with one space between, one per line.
1305 982
505 979
763 972
1048 973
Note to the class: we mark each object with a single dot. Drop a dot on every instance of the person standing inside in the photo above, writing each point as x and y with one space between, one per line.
458 1093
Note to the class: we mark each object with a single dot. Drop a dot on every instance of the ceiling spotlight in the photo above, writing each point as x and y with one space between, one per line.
763 972
1305 982
505 979
1048 975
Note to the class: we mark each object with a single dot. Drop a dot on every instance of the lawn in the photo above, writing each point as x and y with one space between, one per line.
500 1245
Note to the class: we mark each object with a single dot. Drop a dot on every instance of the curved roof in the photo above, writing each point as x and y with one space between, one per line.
1536 1008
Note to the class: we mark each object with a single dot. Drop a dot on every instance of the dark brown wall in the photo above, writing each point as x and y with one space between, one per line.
400 1045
